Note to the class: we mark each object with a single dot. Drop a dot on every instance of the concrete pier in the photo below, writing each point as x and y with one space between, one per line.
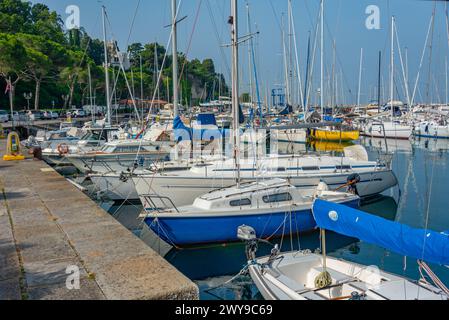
49 229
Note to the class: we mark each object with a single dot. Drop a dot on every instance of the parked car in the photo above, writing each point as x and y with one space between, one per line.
49 115
20 116
4 116
35 115
78 113
46 115
54 115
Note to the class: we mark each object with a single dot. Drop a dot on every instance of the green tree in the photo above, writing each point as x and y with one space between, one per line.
15 16
70 73
44 59
12 62
47 23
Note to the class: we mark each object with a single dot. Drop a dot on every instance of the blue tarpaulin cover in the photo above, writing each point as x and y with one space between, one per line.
206 119
184 133
181 131
331 119
429 246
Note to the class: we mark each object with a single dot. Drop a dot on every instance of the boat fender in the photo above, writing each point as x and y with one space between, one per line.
63 148
322 186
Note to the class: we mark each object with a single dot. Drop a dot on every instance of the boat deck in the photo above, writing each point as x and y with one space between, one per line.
48 228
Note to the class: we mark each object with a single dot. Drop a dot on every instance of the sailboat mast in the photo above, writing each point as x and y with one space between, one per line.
306 85
141 83
235 87
175 59
286 70
392 68
250 71
106 68
290 56
90 93
322 60
360 77
156 71
298 70
379 82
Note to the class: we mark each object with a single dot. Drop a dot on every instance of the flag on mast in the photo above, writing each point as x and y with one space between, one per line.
8 87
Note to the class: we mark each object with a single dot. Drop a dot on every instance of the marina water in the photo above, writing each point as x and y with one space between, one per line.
420 201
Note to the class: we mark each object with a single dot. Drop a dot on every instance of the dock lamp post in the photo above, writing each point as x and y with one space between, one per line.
28 96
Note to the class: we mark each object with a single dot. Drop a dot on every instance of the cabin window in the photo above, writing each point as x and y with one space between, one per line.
128 149
279 197
240 202
343 167
311 168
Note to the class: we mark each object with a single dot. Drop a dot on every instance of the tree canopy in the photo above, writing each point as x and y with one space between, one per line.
38 55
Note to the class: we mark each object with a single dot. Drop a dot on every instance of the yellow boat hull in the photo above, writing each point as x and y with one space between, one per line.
334 135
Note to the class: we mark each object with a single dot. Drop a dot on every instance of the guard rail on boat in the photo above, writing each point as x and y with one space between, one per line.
149 203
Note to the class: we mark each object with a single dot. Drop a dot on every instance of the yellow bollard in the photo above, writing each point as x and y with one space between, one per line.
13 148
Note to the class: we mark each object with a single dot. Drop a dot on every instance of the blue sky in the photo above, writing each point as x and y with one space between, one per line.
345 23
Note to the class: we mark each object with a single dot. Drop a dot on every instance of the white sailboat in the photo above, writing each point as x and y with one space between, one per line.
392 128
214 216
308 276
302 172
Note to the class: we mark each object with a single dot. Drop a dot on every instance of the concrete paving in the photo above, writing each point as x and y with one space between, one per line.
47 227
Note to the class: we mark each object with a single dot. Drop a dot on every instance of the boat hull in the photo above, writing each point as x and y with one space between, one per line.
431 130
103 163
114 187
182 190
186 230
334 135
388 130
290 135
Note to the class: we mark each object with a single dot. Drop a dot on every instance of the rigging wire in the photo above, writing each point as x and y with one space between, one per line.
218 38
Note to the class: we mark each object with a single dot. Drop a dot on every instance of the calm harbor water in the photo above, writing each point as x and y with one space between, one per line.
422 198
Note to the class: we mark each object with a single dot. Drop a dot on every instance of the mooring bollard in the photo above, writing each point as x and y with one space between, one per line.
13 148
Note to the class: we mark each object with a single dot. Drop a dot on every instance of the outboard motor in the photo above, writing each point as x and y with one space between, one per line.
248 235
352 181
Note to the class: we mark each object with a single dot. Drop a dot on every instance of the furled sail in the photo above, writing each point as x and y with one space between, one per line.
426 245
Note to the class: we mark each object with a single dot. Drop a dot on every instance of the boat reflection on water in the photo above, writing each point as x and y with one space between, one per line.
328 146
283 147
431 144
387 145
228 259
381 206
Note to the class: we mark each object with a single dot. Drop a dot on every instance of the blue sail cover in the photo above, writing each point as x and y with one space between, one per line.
184 133
429 246
241 115
181 131
331 119
207 119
